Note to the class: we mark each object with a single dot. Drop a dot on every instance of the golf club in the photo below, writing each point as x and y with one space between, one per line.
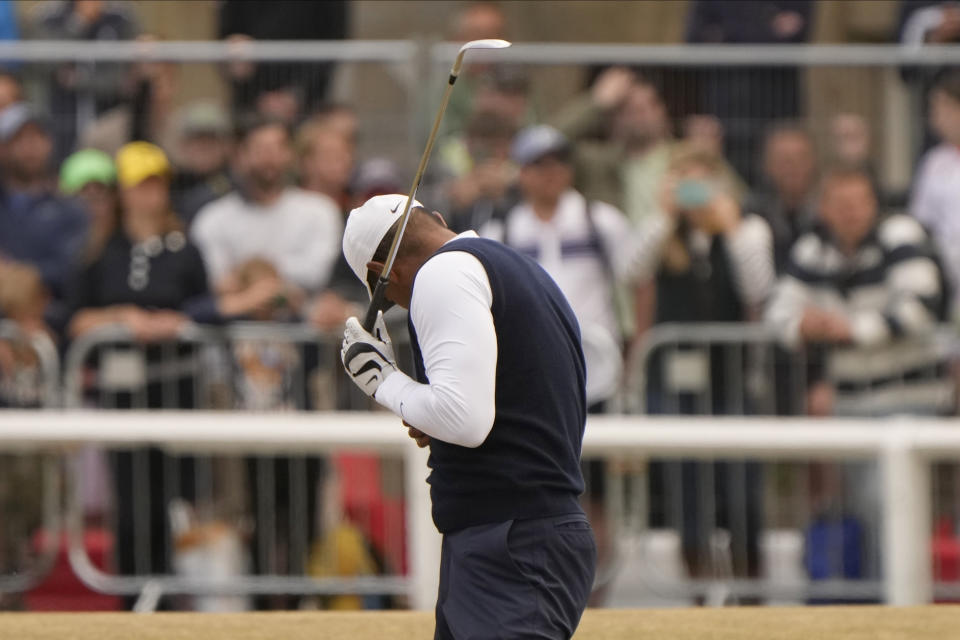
379 292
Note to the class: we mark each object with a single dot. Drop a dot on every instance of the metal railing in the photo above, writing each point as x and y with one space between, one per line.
903 450
627 469
45 367
305 363
819 55
743 369
828 511
265 368
406 51
30 533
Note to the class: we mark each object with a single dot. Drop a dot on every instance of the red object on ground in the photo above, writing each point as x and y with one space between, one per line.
945 552
62 590
379 516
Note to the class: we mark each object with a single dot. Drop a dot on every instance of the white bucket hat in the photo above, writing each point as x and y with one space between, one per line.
366 226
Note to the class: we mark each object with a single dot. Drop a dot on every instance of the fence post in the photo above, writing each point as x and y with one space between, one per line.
423 539
908 578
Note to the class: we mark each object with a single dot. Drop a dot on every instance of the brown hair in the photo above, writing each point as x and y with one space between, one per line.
843 174
685 155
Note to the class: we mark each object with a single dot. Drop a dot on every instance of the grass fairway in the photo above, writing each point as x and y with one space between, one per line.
812 623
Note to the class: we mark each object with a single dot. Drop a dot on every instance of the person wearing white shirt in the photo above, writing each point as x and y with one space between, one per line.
296 231
586 246
935 200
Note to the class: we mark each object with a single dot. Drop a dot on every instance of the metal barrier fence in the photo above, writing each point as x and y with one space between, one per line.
29 368
30 485
903 450
256 366
742 369
279 519
715 529
731 522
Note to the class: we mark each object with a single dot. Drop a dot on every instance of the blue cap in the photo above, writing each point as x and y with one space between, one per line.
538 141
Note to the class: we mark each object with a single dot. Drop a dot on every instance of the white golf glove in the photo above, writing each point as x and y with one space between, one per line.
367 358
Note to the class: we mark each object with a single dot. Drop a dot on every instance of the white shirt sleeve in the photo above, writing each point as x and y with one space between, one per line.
750 249
634 250
922 200
450 310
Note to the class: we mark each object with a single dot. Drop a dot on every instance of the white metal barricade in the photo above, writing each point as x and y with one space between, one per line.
903 447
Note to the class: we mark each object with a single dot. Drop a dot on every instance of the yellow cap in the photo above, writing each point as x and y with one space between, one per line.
137 161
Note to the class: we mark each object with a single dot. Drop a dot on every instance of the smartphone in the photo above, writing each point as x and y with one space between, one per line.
692 194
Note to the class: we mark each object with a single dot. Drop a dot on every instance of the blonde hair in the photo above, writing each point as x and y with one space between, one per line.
675 256
685 155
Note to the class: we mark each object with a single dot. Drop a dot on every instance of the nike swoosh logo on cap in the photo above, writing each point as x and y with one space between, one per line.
394 210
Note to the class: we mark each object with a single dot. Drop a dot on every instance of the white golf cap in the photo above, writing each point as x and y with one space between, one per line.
366 227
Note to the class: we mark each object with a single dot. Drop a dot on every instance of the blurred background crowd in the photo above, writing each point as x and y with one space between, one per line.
653 195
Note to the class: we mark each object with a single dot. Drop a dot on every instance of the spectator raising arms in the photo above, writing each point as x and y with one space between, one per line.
296 231
624 141
935 201
625 166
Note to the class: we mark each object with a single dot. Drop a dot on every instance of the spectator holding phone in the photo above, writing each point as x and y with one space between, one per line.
708 261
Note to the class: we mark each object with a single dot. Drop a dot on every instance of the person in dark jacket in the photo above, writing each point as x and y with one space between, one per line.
747 99
254 85
38 227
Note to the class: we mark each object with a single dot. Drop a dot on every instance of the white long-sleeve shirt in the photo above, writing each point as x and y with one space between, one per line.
299 234
450 311
935 202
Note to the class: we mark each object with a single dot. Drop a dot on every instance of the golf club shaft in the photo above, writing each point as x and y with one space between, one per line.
379 292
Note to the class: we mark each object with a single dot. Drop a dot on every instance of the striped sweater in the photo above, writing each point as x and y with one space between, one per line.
892 293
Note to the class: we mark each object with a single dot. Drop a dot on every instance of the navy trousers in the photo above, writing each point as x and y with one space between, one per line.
516 579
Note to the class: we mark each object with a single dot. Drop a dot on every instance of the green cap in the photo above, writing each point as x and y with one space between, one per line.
86 166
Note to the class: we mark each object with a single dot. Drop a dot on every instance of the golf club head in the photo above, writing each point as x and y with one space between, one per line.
475 44
485 44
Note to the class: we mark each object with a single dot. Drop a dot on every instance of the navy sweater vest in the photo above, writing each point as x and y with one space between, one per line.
529 465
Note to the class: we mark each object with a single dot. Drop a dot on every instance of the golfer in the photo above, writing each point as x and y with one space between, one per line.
499 399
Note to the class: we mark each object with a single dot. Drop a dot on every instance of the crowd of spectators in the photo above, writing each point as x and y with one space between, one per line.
155 215
166 214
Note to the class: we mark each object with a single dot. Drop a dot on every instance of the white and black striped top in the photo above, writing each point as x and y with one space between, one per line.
893 294
891 286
